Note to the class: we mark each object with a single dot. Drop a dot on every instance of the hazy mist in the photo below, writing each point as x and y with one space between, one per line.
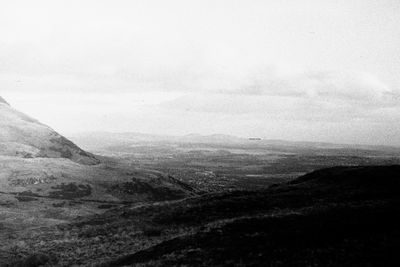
297 70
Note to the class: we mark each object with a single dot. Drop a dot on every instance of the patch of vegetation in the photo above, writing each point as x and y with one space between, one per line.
137 187
74 203
152 231
105 206
6 204
70 191
59 205
25 198
35 260
32 180
28 193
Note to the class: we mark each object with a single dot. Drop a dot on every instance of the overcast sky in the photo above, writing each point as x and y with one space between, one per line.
298 70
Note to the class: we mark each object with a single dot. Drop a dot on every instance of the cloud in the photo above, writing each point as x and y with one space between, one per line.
267 107
346 85
207 66
308 95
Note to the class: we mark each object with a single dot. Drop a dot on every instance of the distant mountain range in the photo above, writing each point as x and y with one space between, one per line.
96 140
101 140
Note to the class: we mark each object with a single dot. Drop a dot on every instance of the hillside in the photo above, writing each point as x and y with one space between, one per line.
25 137
342 216
45 179
34 158
3 101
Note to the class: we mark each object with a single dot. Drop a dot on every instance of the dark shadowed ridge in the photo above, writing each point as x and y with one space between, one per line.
364 176
341 216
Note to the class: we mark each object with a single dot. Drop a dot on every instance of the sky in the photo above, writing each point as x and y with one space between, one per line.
312 70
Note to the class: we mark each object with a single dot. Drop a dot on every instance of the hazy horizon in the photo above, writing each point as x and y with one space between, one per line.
323 71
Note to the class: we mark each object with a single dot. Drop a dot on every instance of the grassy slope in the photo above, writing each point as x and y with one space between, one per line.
25 137
39 193
341 216
36 192
45 179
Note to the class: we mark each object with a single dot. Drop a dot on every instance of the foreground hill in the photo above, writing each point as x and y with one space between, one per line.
342 216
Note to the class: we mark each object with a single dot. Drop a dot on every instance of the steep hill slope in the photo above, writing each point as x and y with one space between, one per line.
23 136
3 101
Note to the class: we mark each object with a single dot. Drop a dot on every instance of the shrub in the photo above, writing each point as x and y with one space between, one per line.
152 231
